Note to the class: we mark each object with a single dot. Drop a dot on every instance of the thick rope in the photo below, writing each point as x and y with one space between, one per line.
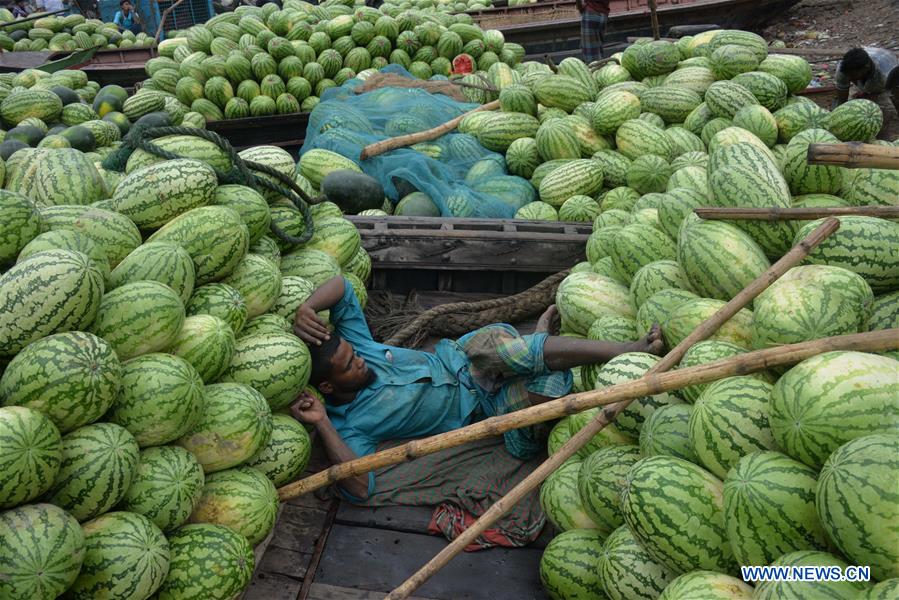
241 172
459 318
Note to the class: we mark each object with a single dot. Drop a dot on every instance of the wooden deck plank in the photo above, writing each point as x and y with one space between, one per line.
322 591
266 586
410 519
379 560
299 528
285 562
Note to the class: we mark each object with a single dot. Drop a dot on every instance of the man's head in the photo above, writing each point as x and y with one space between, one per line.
336 369
856 64
126 5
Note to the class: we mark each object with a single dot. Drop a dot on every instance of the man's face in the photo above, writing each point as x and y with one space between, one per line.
126 6
857 74
349 373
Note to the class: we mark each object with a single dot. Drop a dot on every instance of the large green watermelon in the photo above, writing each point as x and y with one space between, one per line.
560 499
627 571
286 455
29 455
600 480
707 585
803 590
242 499
276 365
568 566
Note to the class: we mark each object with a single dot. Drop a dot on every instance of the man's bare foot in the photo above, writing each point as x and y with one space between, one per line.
550 321
652 342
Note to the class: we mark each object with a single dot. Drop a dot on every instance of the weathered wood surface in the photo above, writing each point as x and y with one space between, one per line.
323 591
378 560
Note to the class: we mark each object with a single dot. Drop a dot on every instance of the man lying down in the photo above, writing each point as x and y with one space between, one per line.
376 393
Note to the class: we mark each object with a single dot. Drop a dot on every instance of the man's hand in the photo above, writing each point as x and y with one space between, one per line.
309 327
308 409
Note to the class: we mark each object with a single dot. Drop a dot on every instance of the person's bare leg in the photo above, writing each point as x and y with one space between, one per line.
561 353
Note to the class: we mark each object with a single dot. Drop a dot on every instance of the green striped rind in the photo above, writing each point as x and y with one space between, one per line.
856 120
115 233
265 324
294 291
612 109
502 128
686 317
725 98
164 262
864 245
184 146
600 480
637 137
697 120
249 203
311 264
885 590
561 91
821 395
214 236
161 399
671 102
98 463
19 224
614 167
24 104
337 237
584 297
29 455
872 186
648 173
707 585
166 486
663 493
810 302
359 289
858 502
609 436
141 104
72 378
556 140
316 163
613 329
267 247
730 60
561 501
64 239
792 70
60 176
578 177
286 219
667 433
42 551
241 499
636 245
730 420
207 561
705 352
719 259
797 117
803 590
581 209
568 566
655 276
126 556
277 365
52 291
627 571
236 424
660 306
207 343
139 317
769 508
679 202
804 178
684 141
276 158
219 300
154 195
696 78
287 452
690 178
884 312
759 121
628 367
770 91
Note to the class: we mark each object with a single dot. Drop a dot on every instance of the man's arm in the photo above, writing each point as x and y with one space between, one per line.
306 324
310 410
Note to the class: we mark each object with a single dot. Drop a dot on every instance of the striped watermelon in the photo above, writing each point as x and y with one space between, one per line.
797 117
207 561
628 367
698 119
686 317
658 307
810 179
63 239
154 195
719 259
568 566
759 121
206 342
600 480
166 486
815 407
612 109
275 158
287 453
730 420
856 120
729 60
72 378
648 173
560 500
556 140
139 317
317 162
98 463
52 291
294 291
236 424
266 246
792 70
885 590
690 178
242 499
872 186
683 140
884 312
337 237
802 590
561 91
578 177
661 490
20 224
219 300
501 129
742 39
679 202
581 209
673 103
810 302
769 508
637 137
41 551
770 91
277 365
165 262
249 203
125 556
522 157
707 585
115 233
667 433
627 571
214 236
702 353
21 105
584 297
161 399
613 328
517 98
184 146
30 456
59 176
311 264
696 78
614 166
636 245
864 245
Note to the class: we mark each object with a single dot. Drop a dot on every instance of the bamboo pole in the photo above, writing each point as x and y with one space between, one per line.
421 136
573 403
610 412
854 155
654 17
796 214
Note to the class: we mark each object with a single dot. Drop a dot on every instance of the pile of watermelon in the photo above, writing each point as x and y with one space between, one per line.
68 33
393 8
146 366
265 61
